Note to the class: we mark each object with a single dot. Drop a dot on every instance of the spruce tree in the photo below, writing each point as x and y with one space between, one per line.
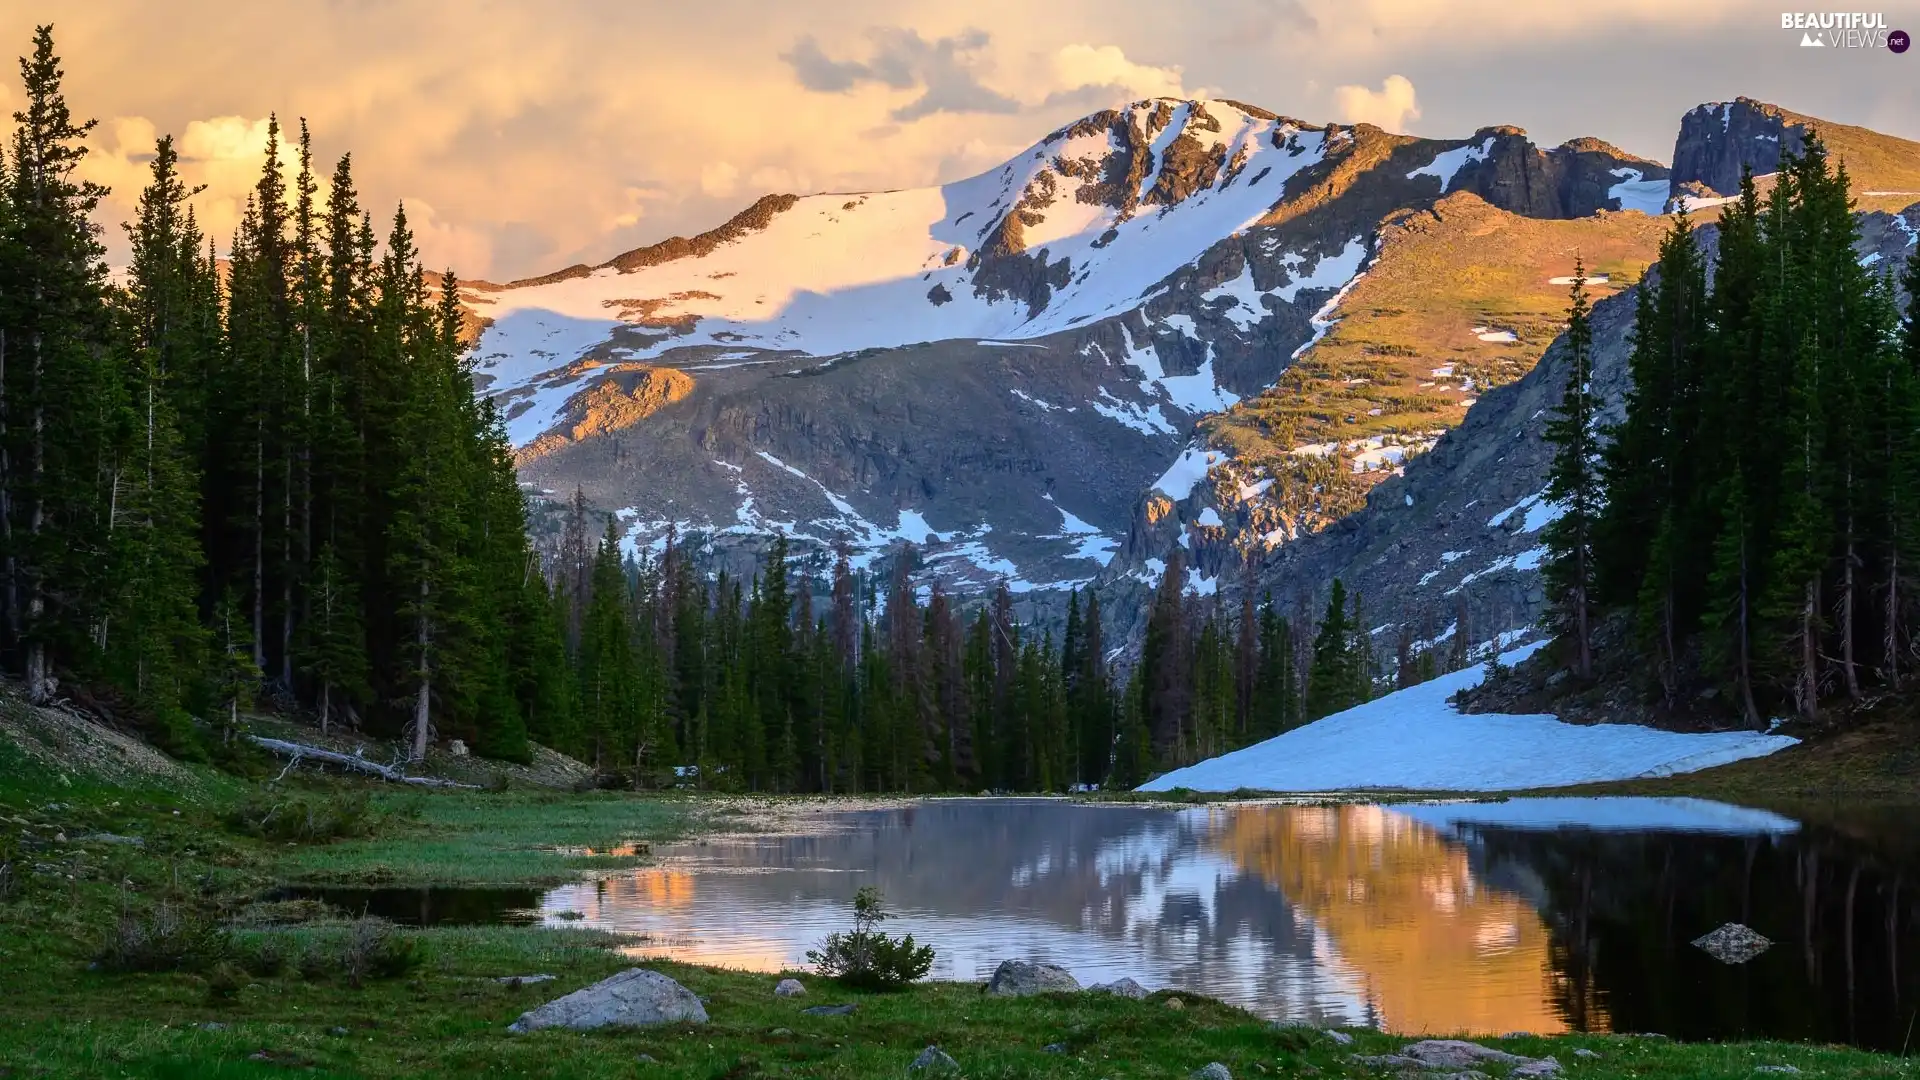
1572 484
1332 682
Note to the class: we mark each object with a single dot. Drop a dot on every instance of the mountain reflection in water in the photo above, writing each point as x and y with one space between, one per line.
1526 915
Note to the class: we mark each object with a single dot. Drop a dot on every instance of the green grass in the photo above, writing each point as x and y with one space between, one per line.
448 1016
483 837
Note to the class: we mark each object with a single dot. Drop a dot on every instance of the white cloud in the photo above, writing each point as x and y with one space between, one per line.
1079 67
719 179
1390 107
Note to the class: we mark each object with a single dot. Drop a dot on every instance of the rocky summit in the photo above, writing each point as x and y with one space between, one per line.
1192 327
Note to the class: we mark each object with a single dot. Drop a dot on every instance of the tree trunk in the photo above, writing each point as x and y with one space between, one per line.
259 545
421 708
39 689
1890 633
1744 644
326 705
1847 666
1806 691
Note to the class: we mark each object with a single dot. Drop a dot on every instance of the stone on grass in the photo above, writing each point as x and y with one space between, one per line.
789 988
522 980
1536 1070
1457 1054
1125 987
634 998
1583 1052
1055 1048
1786 1070
829 1010
934 1061
1212 1070
1733 944
1340 1038
1019 978
1176 1004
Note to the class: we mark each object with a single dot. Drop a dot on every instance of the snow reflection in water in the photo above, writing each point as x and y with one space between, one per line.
1535 915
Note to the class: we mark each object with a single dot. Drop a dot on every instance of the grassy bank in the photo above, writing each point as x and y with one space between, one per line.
159 958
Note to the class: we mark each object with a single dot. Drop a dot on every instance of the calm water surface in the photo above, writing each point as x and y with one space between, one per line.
1540 915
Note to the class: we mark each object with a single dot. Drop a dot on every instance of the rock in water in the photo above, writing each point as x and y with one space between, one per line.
1123 987
789 988
1212 1070
934 1061
633 998
1733 944
1018 978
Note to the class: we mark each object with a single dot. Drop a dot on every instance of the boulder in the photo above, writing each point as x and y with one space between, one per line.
790 988
934 1061
633 998
1457 1054
1019 978
1123 987
1212 1070
1733 944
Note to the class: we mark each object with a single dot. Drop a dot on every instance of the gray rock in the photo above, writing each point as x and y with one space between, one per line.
647 1059
1055 1048
780 1033
1583 1052
1125 987
522 980
1536 1070
935 1061
1019 978
1787 1070
337 1032
1457 1054
790 988
829 1010
1212 1070
110 838
633 998
1340 1038
1733 944
211 1025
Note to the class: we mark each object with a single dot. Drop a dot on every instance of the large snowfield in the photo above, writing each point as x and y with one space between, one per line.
1414 740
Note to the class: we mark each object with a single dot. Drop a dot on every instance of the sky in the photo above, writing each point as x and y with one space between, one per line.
524 137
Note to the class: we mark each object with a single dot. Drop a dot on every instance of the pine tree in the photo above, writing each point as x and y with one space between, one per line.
1572 484
1332 684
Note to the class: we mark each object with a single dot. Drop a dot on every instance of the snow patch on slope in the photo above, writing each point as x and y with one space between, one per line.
1413 739
1446 165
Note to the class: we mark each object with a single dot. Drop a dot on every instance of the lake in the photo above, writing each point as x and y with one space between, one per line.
1536 915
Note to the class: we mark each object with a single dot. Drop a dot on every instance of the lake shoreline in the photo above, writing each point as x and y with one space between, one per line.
447 1014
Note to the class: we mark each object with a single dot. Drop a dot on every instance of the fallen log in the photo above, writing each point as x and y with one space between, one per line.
300 751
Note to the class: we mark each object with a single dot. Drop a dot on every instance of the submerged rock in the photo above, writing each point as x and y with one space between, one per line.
935 1061
1019 978
1125 987
1733 943
790 988
633 998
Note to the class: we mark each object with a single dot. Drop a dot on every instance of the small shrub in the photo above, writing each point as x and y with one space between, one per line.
224 982
263 955
303 819
867 958
166 939
373 949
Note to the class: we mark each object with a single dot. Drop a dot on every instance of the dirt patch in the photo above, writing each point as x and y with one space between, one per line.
74 746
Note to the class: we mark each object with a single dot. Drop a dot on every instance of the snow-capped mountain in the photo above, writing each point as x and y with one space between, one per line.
996 369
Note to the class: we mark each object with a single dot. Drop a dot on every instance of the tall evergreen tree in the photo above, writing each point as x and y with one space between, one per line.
1573 484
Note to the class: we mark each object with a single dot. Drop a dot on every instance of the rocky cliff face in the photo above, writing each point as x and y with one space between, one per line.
1717 141
994 369
1452 545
